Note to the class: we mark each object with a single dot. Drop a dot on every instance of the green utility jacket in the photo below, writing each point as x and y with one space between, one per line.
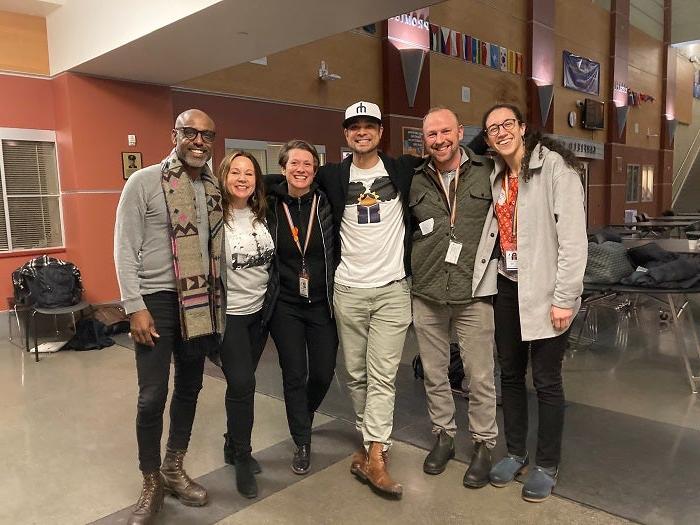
476 228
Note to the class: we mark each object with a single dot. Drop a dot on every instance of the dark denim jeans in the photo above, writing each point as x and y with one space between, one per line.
546 356
307 343
243 345
153 369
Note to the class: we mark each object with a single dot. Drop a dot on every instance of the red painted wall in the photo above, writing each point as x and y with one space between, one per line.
252 120
26 103
92 118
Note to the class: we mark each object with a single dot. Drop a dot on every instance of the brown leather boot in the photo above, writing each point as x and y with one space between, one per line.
178 483
358 465
377 474
150 501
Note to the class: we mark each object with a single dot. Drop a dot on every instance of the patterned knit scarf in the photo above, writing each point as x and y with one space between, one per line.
199 297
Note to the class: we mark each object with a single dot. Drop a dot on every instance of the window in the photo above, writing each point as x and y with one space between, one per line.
633 183
647 183
30 208
266 153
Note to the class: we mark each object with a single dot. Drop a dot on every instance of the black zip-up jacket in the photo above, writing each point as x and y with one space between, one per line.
334 180
284 275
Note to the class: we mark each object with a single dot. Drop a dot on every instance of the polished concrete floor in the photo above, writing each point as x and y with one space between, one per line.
631 444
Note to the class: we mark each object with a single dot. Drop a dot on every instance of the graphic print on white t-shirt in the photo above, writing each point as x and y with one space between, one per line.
371 231
368 199
248 250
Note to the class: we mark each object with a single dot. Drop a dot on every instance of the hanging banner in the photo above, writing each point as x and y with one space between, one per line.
411 30
581 74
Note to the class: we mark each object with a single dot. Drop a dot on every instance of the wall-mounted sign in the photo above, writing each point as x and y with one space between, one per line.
586 149
411 30
412 139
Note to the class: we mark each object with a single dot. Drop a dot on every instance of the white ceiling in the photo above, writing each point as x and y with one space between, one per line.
31 7
227 33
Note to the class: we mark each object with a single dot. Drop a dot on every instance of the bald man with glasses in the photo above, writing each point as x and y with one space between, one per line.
173 301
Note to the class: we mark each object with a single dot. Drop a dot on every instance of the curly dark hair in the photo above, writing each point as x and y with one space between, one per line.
256 201
531 139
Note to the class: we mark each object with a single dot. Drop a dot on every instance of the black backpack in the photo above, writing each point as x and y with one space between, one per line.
455 371
47 282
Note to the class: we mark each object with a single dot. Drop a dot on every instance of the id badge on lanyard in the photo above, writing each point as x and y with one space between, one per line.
304 283
454 248
303 273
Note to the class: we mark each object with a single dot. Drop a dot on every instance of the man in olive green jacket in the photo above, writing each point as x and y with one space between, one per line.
454 276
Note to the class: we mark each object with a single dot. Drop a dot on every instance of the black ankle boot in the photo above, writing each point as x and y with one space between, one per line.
245 479
442 452
477 474
230 456
301 462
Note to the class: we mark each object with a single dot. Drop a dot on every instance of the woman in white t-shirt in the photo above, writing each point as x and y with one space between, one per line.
248 252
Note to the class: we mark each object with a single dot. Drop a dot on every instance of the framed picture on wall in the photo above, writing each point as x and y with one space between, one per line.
131 162
412 139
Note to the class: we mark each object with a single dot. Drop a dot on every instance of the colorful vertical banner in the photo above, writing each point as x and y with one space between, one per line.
446 34
518 63
476 50
495 57
504 59
435 38
484 56
511 61
459 42
468 50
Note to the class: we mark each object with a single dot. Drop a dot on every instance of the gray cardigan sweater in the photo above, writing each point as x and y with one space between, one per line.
552 242
143 254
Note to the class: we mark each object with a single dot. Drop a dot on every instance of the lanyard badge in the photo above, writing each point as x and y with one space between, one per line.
303 272
454 248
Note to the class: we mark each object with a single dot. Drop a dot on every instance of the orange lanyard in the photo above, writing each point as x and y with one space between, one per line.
295 230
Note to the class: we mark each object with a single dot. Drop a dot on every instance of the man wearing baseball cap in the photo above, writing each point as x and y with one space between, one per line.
368 192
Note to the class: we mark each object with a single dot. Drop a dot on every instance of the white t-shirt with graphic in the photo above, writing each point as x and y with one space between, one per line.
372 230
248 252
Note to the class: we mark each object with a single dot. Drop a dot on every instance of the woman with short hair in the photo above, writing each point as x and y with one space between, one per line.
302 324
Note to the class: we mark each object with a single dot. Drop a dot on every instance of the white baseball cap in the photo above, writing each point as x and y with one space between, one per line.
362 109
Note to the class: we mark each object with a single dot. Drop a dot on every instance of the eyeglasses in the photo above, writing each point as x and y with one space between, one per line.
191 134
507 125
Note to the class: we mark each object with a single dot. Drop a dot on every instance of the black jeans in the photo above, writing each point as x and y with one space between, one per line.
307 343
547 355
243 345
153 369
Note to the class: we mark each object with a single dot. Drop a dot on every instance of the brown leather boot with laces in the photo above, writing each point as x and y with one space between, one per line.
178 483
358 464
150 501
377 473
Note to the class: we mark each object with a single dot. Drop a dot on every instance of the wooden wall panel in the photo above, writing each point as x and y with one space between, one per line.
645 76
565 99
507 27
684 90
292 75
500 21
23 44
582 28
488 87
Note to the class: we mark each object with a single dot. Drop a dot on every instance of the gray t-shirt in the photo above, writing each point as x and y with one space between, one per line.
142 250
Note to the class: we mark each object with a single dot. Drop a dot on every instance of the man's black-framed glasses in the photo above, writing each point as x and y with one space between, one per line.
191 133
507 125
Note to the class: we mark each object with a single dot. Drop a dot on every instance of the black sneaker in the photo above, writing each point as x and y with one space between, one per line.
301 462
